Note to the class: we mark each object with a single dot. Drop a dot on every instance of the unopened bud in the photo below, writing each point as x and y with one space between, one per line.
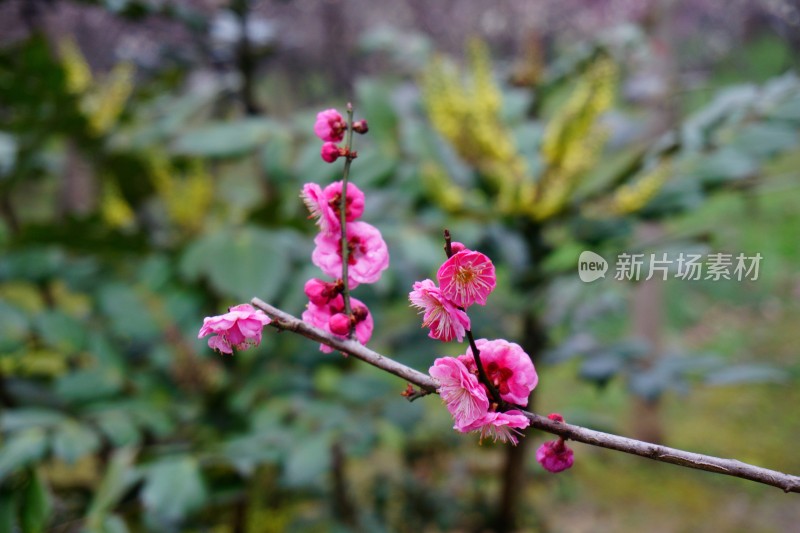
339 324
360 126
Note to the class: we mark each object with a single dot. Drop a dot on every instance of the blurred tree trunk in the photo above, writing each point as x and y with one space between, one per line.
648 298
534 341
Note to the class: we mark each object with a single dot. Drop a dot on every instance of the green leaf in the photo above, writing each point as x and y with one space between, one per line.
750 373
8 511
239 263
128 311
724 165
119 477
29 417
173 489
21 448
14 327
225 139
89 384
61 331
72 441
762 140
117 426
308 461
36 505
375 102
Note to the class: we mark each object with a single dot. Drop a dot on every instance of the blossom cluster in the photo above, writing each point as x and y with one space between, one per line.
367 253
467 277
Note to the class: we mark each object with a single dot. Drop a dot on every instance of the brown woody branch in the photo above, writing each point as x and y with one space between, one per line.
730 467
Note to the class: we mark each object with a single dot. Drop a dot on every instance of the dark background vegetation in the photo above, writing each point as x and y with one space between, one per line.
151 158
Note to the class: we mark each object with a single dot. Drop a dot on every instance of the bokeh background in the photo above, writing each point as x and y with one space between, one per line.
151 158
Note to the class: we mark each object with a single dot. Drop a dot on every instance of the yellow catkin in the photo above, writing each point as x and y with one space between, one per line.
572 140
76 69
186 197
632 197
104 106
114 209
464 108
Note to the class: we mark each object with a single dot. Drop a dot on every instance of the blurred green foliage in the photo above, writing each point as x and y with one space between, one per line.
129 214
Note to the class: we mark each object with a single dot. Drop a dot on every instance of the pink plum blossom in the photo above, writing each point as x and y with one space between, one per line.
555 456
445 320
499 426
323 204
321 316
507 366
464 396
239 328
368 255
467 277
330 126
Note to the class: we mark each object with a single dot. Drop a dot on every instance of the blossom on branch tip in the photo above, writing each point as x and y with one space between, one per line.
330 126
239 328
368 255
464 396
445 320
504 427
324 204
467 277
555 456
507 367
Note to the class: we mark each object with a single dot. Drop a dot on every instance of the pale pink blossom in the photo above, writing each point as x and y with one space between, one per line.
445 320
504 427
507 367
239 328
330 126
324 204
320 316
368 255
467 277
464 396
555 456
330 152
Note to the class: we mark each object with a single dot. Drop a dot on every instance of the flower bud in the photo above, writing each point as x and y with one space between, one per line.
330 152
339 324
320 292
360 126
555 456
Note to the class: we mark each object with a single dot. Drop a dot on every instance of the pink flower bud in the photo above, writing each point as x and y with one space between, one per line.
330 152
330 126
339 324
555 417
361 127
555 456
456 247
320 292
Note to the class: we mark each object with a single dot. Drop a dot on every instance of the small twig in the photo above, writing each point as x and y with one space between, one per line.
343 220
730 467
476 353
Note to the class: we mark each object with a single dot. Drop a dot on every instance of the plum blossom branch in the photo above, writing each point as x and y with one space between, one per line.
729 467
343 216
